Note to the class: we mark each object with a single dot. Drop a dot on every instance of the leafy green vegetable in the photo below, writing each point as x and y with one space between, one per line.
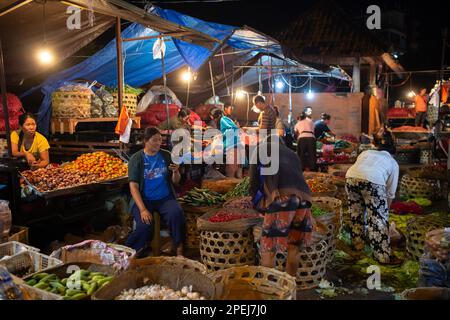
317 212
423 202
127 89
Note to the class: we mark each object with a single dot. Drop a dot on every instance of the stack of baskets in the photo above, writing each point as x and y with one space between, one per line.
130 101
74 105
228 244
417 229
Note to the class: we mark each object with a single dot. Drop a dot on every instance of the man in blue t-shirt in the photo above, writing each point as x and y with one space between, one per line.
321 127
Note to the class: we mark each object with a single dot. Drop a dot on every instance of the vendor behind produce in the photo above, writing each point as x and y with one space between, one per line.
321 129
30 144
371 184
421 101
152 175
180 121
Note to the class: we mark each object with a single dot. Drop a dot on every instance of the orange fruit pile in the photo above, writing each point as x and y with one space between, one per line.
106 166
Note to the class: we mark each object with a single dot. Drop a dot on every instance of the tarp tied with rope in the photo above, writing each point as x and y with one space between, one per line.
141 68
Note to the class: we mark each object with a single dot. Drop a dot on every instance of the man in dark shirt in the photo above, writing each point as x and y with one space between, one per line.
321 127
269 117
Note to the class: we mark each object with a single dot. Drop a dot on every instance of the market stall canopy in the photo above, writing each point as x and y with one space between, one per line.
23 27
141 68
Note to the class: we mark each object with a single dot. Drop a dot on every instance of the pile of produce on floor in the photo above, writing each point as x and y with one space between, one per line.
89 283
46 180
158 292
201 197
240 203
319 186
106 166
406 208
241 190
225 215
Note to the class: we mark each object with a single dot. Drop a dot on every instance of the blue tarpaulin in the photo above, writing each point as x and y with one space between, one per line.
139 66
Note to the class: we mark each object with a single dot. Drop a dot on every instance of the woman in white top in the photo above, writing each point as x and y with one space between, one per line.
306 141
371 184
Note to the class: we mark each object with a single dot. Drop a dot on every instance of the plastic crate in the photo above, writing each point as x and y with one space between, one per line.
29 262
12 248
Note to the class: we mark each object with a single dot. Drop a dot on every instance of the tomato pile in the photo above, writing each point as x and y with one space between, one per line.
318 186
227 216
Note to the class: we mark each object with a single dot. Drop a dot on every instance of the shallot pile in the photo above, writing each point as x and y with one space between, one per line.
240 203
158 292
57 178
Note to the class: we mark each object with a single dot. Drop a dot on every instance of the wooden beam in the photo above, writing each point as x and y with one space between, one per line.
120 78
170 34
14 6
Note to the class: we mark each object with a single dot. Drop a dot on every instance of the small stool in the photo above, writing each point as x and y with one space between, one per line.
156 241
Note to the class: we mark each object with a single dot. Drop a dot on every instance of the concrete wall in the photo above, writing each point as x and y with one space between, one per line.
345 109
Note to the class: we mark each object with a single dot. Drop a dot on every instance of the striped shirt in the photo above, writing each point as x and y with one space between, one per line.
268 119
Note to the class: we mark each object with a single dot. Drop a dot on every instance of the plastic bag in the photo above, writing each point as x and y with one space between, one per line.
96 107
5 220
152 97
109 109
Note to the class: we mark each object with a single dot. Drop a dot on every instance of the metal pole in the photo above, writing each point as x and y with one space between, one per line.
290 103
441 76
120 78
165 92
187 95
212 80
5 100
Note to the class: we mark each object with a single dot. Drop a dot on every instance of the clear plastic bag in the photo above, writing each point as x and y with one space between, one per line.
96 107
109 109
5 220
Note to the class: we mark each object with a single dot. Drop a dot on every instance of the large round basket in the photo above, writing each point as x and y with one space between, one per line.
191 215
417 229
312 264
173 277
220 185
433 293
332 220
220 250
184 263
254 283
421 188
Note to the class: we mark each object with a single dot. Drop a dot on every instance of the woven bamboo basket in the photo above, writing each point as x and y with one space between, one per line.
332 220
427 172
221 186
130 101
417 229
421 188
312 264
407 156
173 277
184 263
66 104
252 282
221 250
32 293
191 215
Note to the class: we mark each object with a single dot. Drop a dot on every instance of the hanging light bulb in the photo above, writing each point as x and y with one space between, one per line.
411 94
187 75
279 84
240 94
45 56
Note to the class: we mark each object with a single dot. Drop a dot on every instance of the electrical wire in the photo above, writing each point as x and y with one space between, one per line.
294 87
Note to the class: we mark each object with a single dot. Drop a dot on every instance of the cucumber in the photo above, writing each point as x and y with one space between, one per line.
31 282
92 288
40 276
48 278
72 292
98 278
79 296
41 285
64 281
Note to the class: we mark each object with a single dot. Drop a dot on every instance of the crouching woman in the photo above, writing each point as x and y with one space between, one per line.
152 176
